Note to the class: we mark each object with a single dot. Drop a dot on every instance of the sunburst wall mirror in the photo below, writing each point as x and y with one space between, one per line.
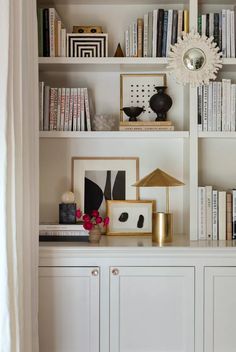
194 59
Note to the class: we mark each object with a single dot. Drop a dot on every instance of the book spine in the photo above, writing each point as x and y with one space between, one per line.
169 31
228 105
59 26
46 41
63 104
201 213
52 18
228 25
232 34
205 109
214 106
216 28
41 105
220 31
209 113
82 112
56 37
71 109
58 109
160 32
174 27
219 106
131 39
127 54
234 214
209 212
79 110
147 128
55 110
145 35
165 29
207 24
180 23
186 21
75 107
52 111
232 104
63 42
199 24
67 107
87 110
199 122
40 31
203 24
224 107
140 37
222 215
46 108
211 24
215 215
135 39
150 33
224 33
228 216
154 34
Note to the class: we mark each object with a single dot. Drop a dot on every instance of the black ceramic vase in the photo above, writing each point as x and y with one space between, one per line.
160 103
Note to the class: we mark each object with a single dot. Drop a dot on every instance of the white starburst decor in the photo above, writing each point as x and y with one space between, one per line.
195 59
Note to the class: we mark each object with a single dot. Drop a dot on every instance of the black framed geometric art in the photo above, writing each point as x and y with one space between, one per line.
87 45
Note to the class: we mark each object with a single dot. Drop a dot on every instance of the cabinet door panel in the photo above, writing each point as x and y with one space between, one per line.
220 309
68 310
152 309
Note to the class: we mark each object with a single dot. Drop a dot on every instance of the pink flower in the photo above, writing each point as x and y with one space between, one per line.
95 213
78 213
98 220
106 221
86 217
88 225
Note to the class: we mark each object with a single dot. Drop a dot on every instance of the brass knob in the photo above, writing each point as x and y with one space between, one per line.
115 271
95 272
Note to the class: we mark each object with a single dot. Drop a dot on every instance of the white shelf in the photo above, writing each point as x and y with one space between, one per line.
115 134
217 135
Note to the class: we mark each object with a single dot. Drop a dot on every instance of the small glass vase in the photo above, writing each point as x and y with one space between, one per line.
95 234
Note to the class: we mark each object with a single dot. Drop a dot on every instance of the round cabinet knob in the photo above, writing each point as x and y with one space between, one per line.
115 271
95 272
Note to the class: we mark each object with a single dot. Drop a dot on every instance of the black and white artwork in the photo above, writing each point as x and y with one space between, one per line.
101 186
130 217
87 45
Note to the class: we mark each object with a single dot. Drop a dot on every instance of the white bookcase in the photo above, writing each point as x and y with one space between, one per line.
196 158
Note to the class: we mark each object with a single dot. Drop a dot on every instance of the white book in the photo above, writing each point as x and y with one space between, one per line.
209 108
75 107
46 108
224 33
41 103
59 26
127 53
87 109
205 108
228 105
180 23
63 42
201 213
234 214
131 47
154 33
232 34
145 35
150 30
67 107
52 18
200 107
222 215
58 109
61 227
203 24
135 39
211 24
209 212
228 28
232 107
71 109
169 31
219 106
78 128
214 105
82 113
224 107
215 215
63 102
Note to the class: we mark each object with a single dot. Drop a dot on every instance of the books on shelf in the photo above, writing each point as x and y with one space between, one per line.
53 232
221 26
216 106
51 33
216 214
146 126
152 35
64 109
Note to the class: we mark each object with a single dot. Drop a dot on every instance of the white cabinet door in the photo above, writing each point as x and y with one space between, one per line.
68 309
220 309
152 309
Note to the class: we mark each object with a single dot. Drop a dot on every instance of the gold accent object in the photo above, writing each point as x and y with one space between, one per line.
162 228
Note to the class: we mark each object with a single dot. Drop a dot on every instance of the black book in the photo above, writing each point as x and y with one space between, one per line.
174 27
164 37
46 42
207 25
220 31
216 29
160 26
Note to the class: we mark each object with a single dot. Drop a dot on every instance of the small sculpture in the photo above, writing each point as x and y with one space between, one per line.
133 112
68 197
119 51
160 103
67 209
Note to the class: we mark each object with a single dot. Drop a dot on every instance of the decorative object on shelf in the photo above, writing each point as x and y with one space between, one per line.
105 122
195 59
87 45
87 29
97 179
136 91
68 197
146 126
160 103
67 213
130 217
133 112
163 223
92 222
61 232
119 51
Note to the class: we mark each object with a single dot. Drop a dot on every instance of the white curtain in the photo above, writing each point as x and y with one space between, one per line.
18 176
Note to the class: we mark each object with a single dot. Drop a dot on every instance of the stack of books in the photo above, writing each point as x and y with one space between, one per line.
216 214
152 35
146 126
216 106
222 27
51 33
64 109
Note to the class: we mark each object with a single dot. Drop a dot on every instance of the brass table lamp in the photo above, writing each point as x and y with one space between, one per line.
162 222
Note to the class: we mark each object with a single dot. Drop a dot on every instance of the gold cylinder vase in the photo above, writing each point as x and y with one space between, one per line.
162 228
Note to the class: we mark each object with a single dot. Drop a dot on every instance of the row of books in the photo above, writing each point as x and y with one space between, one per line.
216 214
152 35
222 27
64 109
216 106
51 33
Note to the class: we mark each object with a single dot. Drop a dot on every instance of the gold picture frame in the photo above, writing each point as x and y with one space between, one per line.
141 92
126 219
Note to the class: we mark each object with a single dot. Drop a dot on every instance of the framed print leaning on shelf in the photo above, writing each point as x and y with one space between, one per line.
130 217
97 179
136 90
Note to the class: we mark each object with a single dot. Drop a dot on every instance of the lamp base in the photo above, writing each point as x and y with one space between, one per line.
162 228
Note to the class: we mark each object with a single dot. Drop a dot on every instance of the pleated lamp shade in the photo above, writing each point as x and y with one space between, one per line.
158 178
